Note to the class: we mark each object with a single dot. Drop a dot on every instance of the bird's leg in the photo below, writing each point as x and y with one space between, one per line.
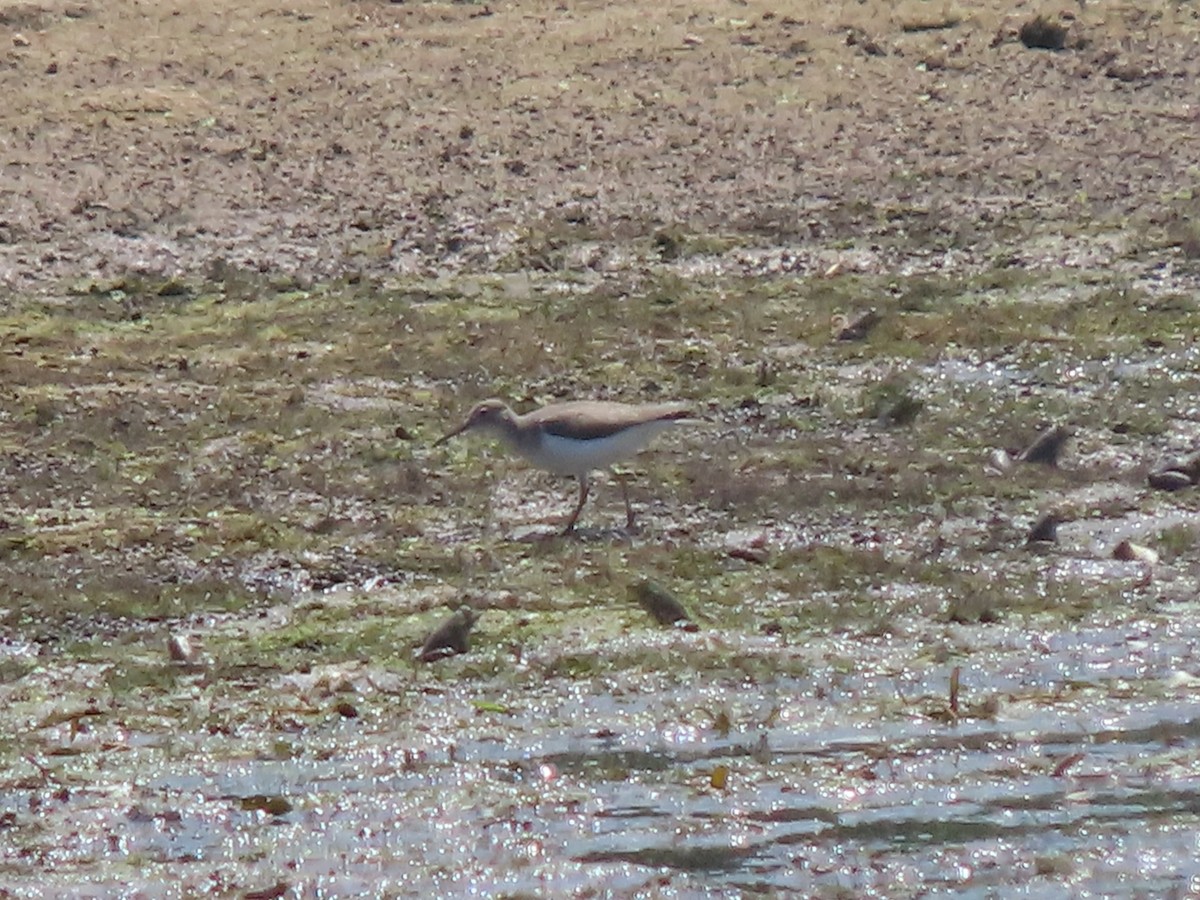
623 477
583 493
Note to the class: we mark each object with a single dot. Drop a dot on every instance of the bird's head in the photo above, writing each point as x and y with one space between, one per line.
493 414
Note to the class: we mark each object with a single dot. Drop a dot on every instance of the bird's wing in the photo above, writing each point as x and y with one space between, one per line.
586 419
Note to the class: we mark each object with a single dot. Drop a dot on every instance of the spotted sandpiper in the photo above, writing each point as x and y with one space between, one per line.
576 438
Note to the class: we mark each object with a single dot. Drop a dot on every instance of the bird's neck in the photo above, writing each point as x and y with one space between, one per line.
512 431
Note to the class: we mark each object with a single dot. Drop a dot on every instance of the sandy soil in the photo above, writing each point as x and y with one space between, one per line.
380 138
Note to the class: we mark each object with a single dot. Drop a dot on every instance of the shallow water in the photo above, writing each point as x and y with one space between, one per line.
1081 776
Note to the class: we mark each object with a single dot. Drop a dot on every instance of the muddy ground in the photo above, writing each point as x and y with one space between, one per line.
414 138
257 257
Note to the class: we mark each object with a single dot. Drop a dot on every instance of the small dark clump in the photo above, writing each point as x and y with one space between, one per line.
1041 33
1048 447
661 605
857 329
1170 480
451 637
1045 530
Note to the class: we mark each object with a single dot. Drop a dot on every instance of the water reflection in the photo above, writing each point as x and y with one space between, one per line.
835 784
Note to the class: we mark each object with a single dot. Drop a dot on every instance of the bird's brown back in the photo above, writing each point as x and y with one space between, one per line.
588 419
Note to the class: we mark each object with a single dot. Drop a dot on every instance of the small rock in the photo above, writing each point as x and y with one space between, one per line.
661 605
757 555
1126 72
856 37
274 804
858 328
1000 461
1048 447
180 649
172 287
1190 468
750 546
1180 679
1045 530
1041 33
275 892
1169 480
902 409
451 637
1130 552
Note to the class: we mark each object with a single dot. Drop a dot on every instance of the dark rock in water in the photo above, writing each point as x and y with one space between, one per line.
451 637
661 605
1048 447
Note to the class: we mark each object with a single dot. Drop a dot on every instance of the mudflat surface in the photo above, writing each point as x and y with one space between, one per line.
381 138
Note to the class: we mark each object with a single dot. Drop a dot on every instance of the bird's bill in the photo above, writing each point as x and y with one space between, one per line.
459 430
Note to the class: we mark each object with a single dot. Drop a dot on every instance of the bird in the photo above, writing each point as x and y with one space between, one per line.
576 438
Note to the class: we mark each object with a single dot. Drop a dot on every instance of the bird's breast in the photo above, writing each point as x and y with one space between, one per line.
573 456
